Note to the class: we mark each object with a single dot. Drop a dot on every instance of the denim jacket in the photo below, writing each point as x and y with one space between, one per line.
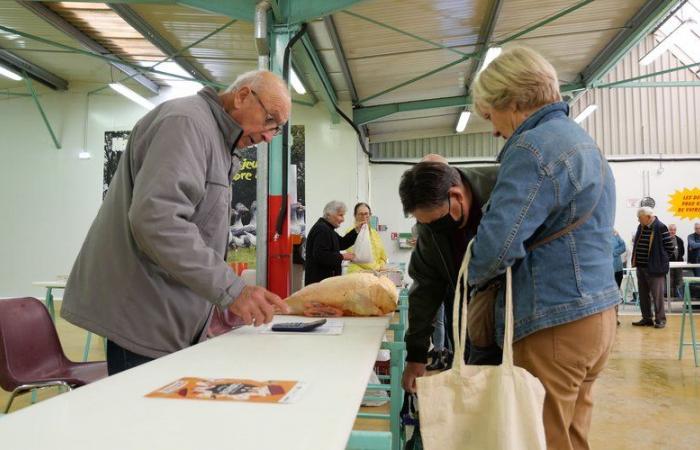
550 175
619 248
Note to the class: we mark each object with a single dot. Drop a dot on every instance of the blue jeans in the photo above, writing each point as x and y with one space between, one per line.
439 332
120 359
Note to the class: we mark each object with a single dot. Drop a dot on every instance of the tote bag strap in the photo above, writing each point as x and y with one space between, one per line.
460 332
459 329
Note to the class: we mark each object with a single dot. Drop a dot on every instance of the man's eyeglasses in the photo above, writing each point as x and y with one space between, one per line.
270 122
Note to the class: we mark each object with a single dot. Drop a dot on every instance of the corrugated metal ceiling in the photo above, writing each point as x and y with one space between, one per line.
378 58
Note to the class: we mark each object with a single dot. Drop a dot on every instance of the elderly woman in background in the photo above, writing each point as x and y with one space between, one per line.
323 245
362 213
550 217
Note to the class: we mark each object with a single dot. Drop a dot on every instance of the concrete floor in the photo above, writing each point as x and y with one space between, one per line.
645 399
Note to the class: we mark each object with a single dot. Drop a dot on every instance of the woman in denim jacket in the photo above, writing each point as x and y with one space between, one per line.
552 174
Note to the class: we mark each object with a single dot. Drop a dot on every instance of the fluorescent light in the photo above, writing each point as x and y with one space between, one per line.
84 155
296 82
9 74
490 56
131 95
674 36
462 122
585 113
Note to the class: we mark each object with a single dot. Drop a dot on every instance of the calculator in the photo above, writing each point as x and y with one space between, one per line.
298 326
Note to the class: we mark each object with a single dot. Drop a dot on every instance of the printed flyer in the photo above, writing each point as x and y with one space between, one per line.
231 389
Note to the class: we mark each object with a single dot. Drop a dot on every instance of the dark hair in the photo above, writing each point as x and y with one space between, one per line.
354 212
426 185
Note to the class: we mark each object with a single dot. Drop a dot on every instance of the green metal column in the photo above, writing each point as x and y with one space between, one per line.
31 90
280 35
279 245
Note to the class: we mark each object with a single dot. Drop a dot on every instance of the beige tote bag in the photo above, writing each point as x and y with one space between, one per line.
481 407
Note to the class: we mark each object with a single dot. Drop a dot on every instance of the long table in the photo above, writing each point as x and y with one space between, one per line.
112 414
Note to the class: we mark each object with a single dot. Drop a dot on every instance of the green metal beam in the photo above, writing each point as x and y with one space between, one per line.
298 11
179 52
569 87
313 65
405 33
103 57
14 94
301 102
485 36
302 77
636 29
276 12
31 90
368 114
235 9
539 24
303 60
318 65
649 75
658 84
544 22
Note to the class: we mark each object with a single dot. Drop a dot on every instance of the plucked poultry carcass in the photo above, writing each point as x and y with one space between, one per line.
355 294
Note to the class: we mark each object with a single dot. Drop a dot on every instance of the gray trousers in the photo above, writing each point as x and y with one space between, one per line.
651 288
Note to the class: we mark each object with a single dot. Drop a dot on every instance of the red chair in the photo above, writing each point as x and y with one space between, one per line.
31 356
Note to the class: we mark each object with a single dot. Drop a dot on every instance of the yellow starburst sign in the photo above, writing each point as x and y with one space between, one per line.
685 204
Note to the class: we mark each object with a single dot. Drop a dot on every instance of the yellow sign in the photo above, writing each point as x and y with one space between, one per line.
685 204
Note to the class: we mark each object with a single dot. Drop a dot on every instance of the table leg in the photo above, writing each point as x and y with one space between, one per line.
86 351
49 303
668 291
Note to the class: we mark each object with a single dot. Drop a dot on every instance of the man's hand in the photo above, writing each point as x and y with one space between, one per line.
412 371
256 305
348 256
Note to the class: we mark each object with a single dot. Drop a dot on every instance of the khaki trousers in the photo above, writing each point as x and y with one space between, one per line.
567 360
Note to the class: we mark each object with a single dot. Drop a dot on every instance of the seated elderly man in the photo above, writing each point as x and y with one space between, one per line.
653 245
323 245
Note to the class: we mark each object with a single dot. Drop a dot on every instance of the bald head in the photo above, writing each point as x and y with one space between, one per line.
260 103
434 157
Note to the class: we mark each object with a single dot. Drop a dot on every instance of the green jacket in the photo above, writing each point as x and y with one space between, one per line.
434 272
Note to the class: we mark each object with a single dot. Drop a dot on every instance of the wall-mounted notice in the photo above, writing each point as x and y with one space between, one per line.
685 204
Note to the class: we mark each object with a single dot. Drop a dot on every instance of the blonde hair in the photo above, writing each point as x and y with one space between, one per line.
519 75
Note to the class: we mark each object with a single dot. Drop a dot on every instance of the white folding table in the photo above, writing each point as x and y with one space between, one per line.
113 414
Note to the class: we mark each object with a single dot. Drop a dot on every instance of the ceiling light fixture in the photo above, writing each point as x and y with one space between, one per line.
585 113
463 119
9 74
131 95
491 54
296 82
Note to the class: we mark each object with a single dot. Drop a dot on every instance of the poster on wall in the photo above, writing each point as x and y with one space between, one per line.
685 203
115 144
242 235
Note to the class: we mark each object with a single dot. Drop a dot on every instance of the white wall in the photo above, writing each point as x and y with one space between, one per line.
49 197
675 176
333 155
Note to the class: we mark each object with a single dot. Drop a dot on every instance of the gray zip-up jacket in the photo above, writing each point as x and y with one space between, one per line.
153 263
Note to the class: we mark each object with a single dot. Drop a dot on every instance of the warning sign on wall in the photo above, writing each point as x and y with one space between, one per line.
685 204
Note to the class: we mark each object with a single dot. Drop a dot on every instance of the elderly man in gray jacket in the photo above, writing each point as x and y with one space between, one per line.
152 266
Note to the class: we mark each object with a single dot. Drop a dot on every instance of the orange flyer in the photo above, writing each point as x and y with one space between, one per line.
231 389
